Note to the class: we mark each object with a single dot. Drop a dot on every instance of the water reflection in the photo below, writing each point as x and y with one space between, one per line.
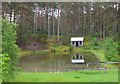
47 63
77 58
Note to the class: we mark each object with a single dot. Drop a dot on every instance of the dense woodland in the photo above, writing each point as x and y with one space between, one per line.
57 20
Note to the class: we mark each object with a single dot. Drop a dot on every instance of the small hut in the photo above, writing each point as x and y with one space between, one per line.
77 41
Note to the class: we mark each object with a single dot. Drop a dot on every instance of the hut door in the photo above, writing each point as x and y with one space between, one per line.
76 44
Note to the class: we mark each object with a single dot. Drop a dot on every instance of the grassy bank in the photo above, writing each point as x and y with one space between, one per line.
52 50
79 76
99 54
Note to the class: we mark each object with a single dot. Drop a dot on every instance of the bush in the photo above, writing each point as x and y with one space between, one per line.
87 47
5 59
70 48
9 49
65 40
110 49
94 43
41 38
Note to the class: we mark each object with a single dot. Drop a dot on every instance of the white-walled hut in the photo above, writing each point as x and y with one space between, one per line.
77 41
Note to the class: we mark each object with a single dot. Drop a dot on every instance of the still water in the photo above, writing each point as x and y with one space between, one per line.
46 63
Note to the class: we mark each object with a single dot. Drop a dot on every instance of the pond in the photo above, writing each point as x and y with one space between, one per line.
47 63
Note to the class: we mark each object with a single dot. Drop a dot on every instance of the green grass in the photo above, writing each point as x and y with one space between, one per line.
99 54
73 76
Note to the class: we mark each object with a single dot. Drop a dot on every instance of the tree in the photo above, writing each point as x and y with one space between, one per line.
74 19
9 50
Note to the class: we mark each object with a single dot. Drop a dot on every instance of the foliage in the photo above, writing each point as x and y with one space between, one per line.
87 43
9 49
94 43
6 67
110 49
65 40
40 37
87 47
70 48
0 68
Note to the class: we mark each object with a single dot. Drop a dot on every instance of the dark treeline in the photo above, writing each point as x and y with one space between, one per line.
63 19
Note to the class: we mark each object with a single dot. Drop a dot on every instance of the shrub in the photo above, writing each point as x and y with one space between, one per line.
41 38
87 47
70 48
94 43
110 49
9 49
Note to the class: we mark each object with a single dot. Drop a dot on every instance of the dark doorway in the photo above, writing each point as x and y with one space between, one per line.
80 42
73 42
76 44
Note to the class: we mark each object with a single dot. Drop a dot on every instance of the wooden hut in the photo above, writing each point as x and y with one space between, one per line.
77 41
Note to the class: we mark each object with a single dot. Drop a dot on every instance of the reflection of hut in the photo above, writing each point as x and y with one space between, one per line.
77 41
77 58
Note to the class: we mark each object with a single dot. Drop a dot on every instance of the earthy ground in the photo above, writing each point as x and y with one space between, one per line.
34 45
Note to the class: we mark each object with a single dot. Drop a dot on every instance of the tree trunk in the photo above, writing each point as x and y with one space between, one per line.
58 31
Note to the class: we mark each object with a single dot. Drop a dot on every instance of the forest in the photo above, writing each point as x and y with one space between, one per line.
98 20
45 28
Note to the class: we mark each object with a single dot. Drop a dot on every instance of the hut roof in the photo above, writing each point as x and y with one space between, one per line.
77 38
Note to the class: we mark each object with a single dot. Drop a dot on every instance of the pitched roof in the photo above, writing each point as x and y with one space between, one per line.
77 38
